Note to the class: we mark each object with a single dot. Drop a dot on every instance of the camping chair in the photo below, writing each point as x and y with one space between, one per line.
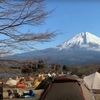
16 93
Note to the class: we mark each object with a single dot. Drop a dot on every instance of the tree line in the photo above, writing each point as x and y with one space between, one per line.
43 67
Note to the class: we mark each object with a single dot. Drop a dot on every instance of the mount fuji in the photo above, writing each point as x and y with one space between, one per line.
83 48
85 41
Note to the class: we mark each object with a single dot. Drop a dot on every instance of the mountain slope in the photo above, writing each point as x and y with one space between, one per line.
81 49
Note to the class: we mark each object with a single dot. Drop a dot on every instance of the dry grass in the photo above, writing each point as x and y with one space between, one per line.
97 96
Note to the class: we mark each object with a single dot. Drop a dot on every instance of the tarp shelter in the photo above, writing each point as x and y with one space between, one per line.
11 82
93 81
66 88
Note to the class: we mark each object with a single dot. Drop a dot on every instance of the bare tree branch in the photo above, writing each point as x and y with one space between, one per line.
16 15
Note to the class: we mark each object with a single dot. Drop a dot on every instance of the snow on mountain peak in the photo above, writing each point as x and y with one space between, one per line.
81 40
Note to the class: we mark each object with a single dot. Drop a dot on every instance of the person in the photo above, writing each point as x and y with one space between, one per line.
16 93
21 83
22 79
10 94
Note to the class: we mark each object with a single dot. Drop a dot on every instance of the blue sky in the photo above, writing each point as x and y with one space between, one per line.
71 17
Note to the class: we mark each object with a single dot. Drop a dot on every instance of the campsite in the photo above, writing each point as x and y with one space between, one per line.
35 78
76 88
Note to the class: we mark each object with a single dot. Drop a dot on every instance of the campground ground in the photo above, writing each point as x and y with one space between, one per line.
97 96
37 92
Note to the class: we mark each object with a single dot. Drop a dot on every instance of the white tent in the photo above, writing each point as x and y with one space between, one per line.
93 81
11 82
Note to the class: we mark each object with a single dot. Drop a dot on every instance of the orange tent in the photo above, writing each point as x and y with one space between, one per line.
21 85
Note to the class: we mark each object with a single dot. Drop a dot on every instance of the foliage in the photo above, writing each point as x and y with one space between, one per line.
57 67
33 67
40 64
84 69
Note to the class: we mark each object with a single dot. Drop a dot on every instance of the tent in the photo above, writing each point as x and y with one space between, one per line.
66 88
93 81
11 82
44 83
36 84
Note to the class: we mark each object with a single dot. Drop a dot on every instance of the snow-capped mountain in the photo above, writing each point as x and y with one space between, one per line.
81 49
83 40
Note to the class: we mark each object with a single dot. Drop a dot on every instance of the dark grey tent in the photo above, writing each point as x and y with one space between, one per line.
66 88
